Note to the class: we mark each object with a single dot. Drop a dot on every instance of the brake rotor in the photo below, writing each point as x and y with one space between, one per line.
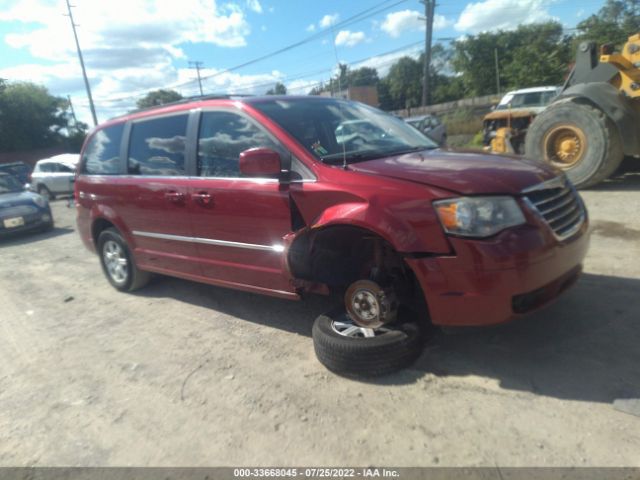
369 305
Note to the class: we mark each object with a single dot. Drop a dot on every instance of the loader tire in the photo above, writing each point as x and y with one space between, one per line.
577 138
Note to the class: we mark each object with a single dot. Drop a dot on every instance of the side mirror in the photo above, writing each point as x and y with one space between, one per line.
260 162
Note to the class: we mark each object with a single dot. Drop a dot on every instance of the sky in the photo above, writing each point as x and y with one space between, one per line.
133 46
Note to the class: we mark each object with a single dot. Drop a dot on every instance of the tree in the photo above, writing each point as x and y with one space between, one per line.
362 77
404 83
278 89
537 54
365 76
614 23
158 97
30 117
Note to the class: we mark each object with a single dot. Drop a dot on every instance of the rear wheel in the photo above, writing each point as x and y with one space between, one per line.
577 138
46 193
117 262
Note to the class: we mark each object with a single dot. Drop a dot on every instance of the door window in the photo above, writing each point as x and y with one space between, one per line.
222 137
157 147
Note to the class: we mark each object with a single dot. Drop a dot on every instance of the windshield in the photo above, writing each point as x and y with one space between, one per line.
333 130
523 100
9 183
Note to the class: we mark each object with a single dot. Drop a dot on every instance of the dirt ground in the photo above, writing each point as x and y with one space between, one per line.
183 374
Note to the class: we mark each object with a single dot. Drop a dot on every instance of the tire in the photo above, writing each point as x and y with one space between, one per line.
127 278
602 147
47 227
45 192
365 357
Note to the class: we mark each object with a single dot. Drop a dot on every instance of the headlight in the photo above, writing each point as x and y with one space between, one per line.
478 216
39 201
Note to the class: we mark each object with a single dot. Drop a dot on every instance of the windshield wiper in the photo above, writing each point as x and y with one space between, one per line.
371 154
358 156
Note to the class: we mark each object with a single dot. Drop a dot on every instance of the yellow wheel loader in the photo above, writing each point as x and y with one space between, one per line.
594 121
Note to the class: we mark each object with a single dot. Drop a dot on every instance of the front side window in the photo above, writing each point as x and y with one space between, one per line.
102 155
157 147
222 137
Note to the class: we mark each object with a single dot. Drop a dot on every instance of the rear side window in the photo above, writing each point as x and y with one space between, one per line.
222 137
157 147
102 155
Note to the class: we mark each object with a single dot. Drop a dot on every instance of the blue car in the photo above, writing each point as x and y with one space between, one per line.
21 210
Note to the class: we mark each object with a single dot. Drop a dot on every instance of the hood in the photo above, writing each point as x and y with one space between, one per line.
16 198
461 171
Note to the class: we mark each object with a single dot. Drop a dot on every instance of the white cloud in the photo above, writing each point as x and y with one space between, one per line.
348 38
396 23
501 15
311 28
580 13
254 5
124 54
328 20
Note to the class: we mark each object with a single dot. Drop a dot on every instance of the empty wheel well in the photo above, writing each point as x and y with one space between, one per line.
99 225
339 255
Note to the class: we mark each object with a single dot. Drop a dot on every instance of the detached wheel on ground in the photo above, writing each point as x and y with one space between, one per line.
117 262
577 138
349 349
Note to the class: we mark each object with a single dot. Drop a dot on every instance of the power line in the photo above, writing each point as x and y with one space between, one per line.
363 15
84 71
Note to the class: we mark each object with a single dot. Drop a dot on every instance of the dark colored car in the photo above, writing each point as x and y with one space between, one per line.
21 210
430 125
271 195
20 170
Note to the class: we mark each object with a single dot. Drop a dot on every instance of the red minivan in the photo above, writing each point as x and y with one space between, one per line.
285 195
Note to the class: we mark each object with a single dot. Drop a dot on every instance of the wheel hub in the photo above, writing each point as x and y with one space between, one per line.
565 146
115 261
369 305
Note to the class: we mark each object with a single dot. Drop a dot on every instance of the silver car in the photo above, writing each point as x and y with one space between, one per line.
430 126
54 176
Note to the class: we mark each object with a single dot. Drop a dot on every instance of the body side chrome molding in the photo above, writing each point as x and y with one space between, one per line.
211 241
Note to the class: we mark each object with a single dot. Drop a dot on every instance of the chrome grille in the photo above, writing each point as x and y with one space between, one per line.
558 204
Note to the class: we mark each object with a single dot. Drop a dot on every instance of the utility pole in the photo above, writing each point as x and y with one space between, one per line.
73 112
84 72
197 66
495 51
429 9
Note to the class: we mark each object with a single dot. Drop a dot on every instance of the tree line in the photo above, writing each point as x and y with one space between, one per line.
531 55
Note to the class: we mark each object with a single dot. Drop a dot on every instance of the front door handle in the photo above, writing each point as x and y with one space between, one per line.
203 198
174 197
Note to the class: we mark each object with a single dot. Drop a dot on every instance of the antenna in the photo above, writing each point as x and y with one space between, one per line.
197 65
335 51
84 72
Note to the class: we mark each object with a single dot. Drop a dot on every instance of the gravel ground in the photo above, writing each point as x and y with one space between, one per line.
183 374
